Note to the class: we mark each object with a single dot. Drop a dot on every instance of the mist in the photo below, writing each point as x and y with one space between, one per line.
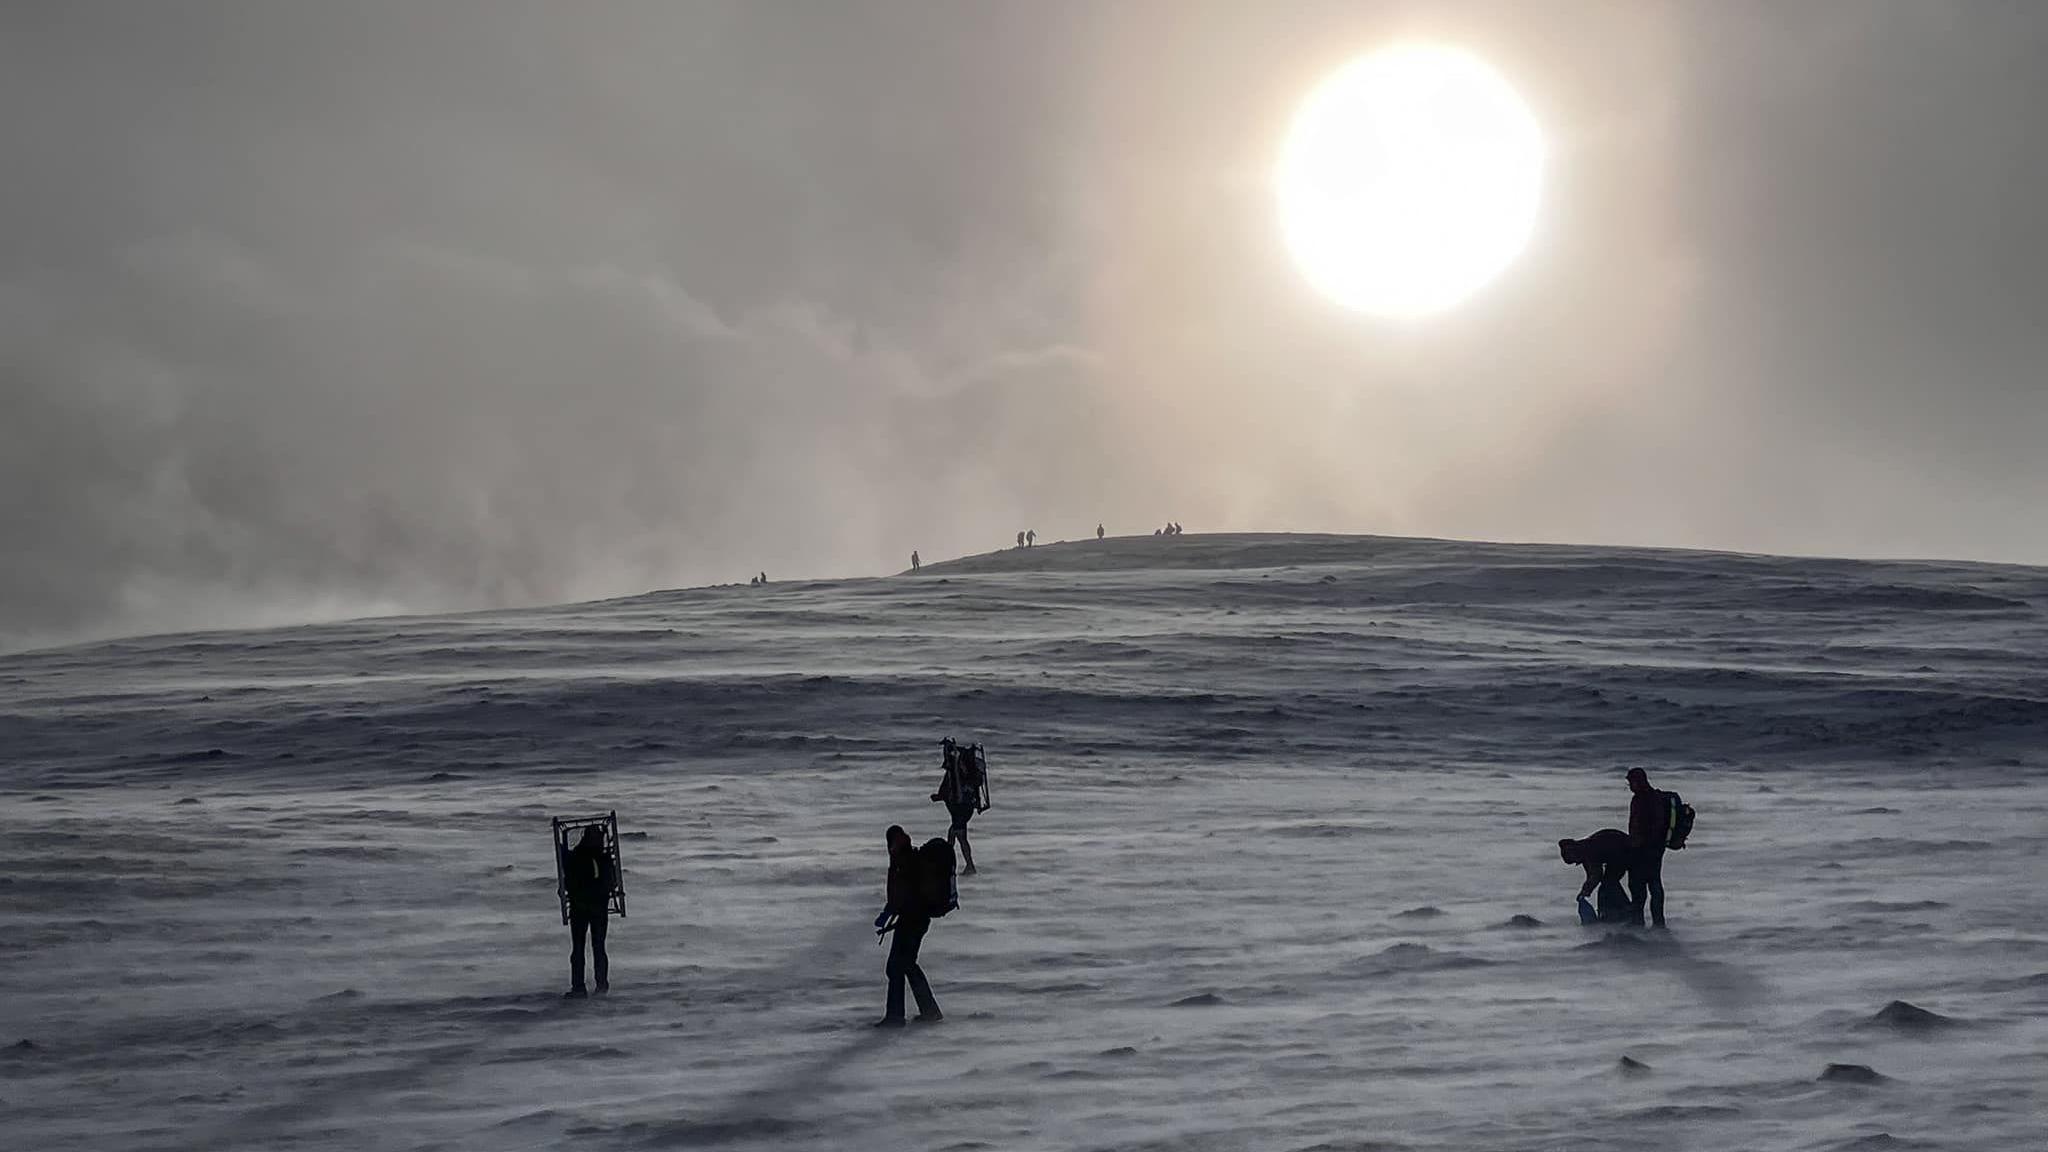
309 311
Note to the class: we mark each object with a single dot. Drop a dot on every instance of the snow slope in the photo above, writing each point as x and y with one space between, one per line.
1265 808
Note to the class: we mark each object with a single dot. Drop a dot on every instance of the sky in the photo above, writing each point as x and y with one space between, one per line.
321 310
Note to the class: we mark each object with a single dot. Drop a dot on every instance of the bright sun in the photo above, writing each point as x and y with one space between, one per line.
1408 180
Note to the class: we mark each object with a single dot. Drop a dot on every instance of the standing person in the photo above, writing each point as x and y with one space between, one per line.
1605 856
1649 826
913 560
960 791
1031 538
1020 539
589 872
1098 531
911 922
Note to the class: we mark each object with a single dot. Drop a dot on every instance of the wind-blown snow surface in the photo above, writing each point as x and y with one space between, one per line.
1264 809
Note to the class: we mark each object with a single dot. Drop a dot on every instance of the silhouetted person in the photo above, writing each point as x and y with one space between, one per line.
1649 826
1020 539
960 791
764 579
1098 531
913 560
906 905
589 872
1605 856
1031 539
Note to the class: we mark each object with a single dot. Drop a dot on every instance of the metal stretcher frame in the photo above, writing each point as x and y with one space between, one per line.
567 830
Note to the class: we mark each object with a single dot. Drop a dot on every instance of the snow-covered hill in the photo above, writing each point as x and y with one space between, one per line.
1265 809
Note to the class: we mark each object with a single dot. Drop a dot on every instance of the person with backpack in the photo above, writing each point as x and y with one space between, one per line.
588 871
1649 833
960 789
920 880
1605 855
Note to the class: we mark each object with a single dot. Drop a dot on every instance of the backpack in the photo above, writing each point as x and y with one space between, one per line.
936 889
970 774
974 774
1679 820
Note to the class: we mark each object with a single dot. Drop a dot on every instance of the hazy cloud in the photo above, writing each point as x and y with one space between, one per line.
310 310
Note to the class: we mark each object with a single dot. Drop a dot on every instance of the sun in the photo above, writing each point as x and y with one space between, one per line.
1409 178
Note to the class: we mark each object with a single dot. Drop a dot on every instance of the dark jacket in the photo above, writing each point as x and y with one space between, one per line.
1605 856
954 787
1649 819
589 871
904 899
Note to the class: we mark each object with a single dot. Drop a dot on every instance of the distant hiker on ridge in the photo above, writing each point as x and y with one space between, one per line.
1605 856
1031 538
960 789
589 874
1020 539
1098 531
916 894
913 560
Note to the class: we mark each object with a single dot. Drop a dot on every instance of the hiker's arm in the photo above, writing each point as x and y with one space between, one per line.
1592 881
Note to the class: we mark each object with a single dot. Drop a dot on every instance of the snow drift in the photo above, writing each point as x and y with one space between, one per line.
1271 862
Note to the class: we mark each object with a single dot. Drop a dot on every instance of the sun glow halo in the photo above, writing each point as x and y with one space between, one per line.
1408 179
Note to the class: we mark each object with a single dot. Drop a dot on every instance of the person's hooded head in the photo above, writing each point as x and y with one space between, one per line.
593 838
898 840
1638 780
1568 848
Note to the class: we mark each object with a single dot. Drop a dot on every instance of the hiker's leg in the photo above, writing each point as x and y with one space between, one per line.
927 1004
1656 884
578 924
897 965
957 834
597 927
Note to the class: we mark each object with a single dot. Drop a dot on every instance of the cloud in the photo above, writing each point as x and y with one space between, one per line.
309 310
447 430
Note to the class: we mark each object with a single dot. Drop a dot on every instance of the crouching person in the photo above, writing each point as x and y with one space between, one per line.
1605 855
